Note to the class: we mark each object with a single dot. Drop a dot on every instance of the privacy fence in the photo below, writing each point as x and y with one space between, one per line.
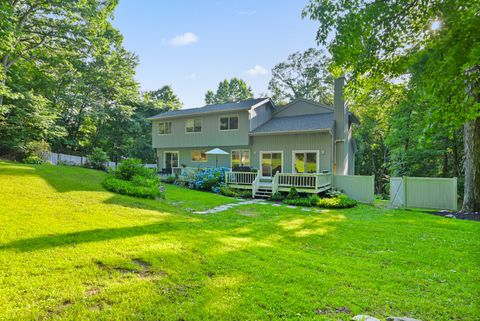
424 192
59 158
360 188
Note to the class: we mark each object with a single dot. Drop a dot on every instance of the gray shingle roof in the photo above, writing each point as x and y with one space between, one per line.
296 123
241 105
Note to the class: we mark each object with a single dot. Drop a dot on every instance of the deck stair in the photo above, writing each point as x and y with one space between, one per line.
264 189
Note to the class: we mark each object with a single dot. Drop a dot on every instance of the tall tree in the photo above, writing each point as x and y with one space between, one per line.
303 75
229 91
434 43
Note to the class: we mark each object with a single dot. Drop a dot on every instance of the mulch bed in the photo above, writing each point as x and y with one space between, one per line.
471 216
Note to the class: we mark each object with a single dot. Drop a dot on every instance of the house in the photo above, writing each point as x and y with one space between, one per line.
297 142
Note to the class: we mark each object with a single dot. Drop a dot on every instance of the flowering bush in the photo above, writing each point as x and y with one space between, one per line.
209 179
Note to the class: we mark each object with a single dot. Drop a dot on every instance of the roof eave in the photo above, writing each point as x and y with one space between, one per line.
199 114
306 131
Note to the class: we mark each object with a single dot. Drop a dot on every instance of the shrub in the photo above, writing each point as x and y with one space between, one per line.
170 179
33 160
277 196
97 159
245 193
207 180
312 200
293 194
298 201
341 201
37 148
131 167
124 187
227 191
333 193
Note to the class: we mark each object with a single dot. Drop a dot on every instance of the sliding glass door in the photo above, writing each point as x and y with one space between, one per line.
305 161
171 159
271 163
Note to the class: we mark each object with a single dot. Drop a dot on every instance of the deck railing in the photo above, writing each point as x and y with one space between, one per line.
240 178
304 180
256 184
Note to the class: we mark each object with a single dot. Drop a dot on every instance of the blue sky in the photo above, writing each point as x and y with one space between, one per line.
193 45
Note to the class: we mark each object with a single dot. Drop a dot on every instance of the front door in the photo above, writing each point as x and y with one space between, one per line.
271 163
171 159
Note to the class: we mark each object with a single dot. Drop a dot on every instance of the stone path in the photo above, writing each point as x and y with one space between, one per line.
226 207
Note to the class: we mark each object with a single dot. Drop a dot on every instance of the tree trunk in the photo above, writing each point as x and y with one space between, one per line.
471 138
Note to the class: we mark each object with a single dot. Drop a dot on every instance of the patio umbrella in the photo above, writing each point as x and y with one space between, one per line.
216 152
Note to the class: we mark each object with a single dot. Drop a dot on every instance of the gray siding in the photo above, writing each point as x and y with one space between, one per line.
260 115
211 136
287 143
301 107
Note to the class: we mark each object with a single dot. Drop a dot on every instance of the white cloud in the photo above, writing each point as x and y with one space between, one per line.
185 39
247 13
257 71
192 76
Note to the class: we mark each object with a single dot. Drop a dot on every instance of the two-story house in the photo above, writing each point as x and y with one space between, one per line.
300 137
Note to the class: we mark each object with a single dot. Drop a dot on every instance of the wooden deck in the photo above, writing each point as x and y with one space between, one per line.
313 183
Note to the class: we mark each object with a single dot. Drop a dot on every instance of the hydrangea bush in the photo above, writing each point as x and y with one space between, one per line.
210 179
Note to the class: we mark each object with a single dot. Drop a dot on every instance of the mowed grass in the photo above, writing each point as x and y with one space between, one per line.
71 250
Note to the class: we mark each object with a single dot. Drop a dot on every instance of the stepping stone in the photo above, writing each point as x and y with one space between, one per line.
276 204
362 317
291 206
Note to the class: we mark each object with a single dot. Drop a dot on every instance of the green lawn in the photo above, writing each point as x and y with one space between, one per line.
71 250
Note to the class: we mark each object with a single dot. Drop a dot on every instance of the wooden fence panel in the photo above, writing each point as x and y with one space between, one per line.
360 188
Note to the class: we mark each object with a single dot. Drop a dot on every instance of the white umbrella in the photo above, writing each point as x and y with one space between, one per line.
216 152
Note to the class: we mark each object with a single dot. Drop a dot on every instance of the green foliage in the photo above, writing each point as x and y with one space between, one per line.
37 148
170 179
277 196
229 91
97 159
304 75
33 159
131 167
312 200
341 201
227 191
132 188
292 194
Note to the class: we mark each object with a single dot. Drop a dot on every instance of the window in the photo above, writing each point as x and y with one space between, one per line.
193 125
305 162
199 156
228 122
165 128
240 158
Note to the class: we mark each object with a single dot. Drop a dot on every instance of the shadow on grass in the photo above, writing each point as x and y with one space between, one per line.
97 235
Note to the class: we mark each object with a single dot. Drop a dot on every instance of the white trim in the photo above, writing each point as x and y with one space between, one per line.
269 152
201 125
165 158
241 150
158 127
290 132
306 151
229 130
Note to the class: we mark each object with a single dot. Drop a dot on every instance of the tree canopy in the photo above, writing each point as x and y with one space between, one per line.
430 49
229 91
303 75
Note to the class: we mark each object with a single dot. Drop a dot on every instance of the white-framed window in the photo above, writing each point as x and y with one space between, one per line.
193 125
240 158
305 161
165 128
228 122
199 156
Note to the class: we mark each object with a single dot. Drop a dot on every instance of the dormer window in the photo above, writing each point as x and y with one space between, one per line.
193 125
228 122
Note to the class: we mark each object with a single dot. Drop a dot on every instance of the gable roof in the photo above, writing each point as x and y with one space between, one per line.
240 105
302 123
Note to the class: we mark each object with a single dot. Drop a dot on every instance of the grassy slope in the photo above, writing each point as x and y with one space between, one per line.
70 250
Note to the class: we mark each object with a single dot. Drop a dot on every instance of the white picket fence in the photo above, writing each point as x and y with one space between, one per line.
59 158
424 192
